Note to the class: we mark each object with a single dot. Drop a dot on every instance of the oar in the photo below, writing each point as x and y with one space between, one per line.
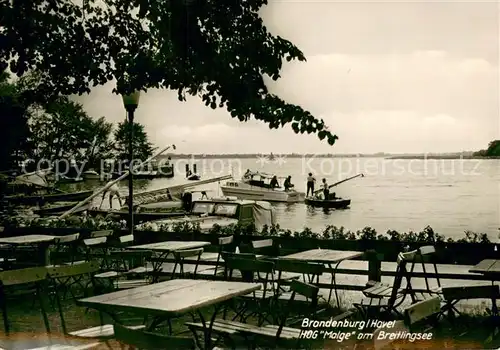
95 194
338 183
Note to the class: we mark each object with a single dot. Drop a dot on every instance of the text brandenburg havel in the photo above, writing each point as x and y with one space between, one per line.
331 323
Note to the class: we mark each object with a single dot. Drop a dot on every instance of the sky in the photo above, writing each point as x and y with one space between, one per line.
394 76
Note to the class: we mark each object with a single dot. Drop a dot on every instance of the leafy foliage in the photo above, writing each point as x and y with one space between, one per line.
143 149
330 232
492 151
65 131
58 128
219 50
14 129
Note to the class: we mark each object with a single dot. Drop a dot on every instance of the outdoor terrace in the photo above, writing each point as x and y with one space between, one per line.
119 263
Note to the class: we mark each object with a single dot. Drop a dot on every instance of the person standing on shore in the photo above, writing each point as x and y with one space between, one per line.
310 184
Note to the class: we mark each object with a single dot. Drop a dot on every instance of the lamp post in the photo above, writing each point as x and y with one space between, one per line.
131 102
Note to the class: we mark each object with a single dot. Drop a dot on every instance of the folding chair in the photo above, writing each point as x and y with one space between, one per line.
224 244
386 298
183 266
96 247
13 278
85 273
65 249
136 339
265 247
130 269
270 336
253 270
309 272
421 316
426 255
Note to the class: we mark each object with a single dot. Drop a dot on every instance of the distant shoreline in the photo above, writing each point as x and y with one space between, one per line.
440 157
298 156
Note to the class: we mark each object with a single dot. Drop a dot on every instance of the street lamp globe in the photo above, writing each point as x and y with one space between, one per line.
131 101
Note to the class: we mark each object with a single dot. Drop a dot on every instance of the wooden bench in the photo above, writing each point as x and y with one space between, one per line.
453 295
151 341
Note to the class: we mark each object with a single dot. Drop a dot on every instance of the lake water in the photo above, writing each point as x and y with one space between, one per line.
451 196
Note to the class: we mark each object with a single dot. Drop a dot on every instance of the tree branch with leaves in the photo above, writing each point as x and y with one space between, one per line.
219 50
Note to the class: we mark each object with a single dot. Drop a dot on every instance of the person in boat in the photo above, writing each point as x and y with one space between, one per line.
114 190
288 183
187 200
310 184
274 182
326 190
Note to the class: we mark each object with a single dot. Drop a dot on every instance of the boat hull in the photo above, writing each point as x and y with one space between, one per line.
165 173
338 203
49 198
93 176
59 209
262 194
138 217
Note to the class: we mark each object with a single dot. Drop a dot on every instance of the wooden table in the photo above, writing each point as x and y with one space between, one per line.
171 246
42 241
328 257
166 248
171 298
488 267
28 239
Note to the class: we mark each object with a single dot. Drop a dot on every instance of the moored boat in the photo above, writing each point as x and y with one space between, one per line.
63 179
222 212
256 186
48 198
58 208
91 175
139 217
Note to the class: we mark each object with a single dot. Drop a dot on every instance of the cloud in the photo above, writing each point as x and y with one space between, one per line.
406 77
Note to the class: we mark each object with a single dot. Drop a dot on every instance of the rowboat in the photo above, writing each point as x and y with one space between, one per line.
58 208
337 203
48 198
